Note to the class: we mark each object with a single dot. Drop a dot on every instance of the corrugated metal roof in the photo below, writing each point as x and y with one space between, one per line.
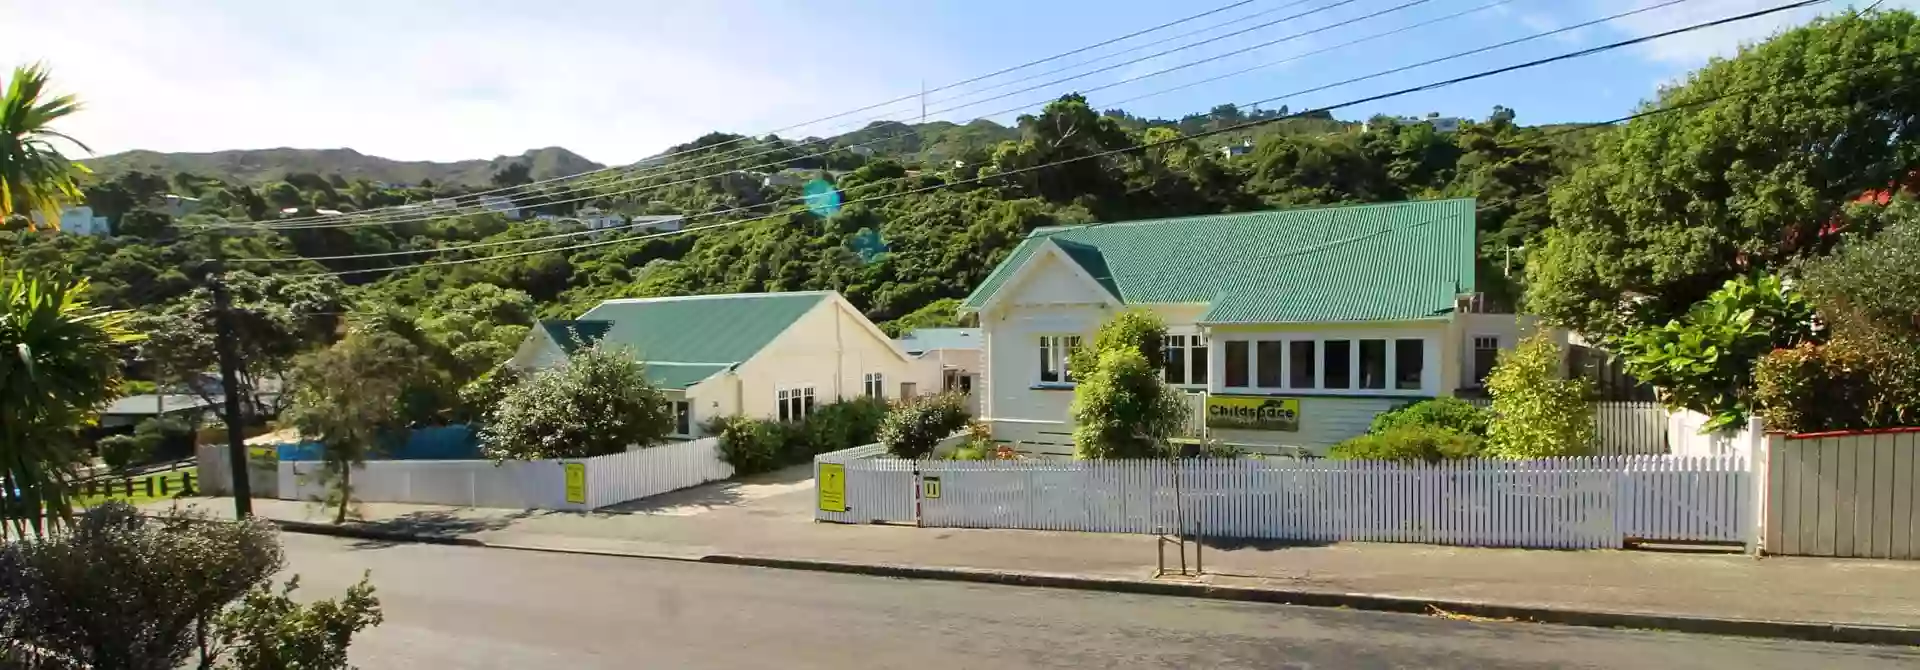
929 339
686 339
1386 261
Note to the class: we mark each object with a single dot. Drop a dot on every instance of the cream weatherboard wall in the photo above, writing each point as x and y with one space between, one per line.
830 349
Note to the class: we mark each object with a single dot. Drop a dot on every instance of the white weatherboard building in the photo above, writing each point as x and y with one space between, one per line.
1294 328
765 355
956 351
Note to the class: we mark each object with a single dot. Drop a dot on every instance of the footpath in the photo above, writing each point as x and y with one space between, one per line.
767 521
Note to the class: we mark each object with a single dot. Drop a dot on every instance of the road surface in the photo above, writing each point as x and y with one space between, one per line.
462 607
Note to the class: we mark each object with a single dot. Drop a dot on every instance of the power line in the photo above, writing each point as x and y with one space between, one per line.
481 208
1148 145
909 131
878 105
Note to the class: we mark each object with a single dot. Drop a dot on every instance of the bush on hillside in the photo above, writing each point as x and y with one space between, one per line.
913 428
1429 444
1449 413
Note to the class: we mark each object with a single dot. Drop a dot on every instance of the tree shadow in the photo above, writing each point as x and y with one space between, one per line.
1260 544
432 527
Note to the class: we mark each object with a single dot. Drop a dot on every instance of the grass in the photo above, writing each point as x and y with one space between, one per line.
174 480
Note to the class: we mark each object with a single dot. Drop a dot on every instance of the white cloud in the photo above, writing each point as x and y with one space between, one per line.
1692 49
420 80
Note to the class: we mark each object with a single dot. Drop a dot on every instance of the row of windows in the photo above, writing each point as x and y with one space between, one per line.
1331 364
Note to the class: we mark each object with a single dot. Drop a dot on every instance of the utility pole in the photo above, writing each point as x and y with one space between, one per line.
230 385
923 102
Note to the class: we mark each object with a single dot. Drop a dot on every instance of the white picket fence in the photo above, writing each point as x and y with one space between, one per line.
609 480
1568 503
876 489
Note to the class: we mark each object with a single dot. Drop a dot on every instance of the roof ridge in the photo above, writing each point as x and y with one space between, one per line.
1290 210
711 296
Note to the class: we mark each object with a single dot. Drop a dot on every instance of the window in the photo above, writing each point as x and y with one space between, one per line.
876 386
795 404
1373 364
1409 362
682 418
1198 371
1236 364
1337 356
1055 351
1176 359
1301 353
1486 350
908 390
1268 360
1186 360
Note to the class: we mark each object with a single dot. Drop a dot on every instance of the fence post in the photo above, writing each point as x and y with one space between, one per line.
149 481
1752 501
186 484
129 486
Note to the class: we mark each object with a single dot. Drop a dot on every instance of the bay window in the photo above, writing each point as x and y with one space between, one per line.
1373 364
1236 364
1409 362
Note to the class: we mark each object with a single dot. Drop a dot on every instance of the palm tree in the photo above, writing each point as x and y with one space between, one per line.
34 177
58 366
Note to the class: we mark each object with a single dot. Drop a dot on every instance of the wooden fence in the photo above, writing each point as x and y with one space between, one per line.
1844 495
1569 503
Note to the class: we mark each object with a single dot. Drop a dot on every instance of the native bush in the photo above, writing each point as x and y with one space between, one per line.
1447 413
1412 442
1536 412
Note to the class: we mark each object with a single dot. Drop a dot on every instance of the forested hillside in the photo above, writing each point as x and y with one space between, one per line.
259 166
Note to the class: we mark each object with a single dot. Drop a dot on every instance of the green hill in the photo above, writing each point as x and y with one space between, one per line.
256 166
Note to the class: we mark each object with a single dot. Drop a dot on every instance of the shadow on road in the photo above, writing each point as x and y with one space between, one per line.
1259 544
435 525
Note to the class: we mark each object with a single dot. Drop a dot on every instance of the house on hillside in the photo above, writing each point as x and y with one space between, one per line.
502 205
1292 329
78 220
767 355
957 353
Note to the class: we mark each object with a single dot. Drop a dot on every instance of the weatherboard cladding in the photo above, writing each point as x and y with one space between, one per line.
686 339
1391 261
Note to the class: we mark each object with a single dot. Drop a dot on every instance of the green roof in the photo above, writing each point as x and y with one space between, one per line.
686 339
1390 261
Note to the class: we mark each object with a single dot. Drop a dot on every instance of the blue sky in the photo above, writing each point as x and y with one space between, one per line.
617 81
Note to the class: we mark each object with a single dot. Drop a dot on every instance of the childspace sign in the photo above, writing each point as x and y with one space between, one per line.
1253 413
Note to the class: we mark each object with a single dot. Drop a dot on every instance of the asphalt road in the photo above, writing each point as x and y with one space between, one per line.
458 607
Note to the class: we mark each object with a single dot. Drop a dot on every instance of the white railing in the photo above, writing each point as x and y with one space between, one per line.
608 480
1568 503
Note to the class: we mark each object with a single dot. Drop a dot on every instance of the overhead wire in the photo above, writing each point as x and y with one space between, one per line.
713 161
1147 145
895 101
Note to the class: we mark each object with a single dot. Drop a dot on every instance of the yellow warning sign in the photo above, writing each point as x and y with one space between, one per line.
576 483
833 487
929 487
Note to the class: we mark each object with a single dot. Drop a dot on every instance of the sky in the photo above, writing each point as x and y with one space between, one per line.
617 81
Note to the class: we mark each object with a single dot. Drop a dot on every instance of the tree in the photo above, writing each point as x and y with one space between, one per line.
599 402
146 223
34 176
274 319
1121 407
349 397
59 364
1773 143
1536 413
516 173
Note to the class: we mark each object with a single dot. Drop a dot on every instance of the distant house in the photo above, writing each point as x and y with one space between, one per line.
133 409
658 223
596 219
767 355
955 350
79 221
1243 148
178 206
1444 124
1293 328
501 204
789 177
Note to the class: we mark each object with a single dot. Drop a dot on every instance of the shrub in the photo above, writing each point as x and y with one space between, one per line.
753 446
1410 443
750 445
913 428
1536 413
120 451
598 403
840 425
1859 381
146 593
1122 409
1449 413
164 438
1704 360
1134 330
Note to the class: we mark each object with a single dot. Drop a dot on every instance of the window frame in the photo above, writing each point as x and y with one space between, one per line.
875 385
682 416
794 403
1056 349
1473 358
1313 345
1195 359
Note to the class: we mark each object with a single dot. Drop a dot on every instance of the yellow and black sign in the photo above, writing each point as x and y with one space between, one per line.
929 487
833 487
1253 413
576 482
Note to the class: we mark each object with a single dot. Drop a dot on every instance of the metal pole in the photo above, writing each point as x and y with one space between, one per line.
229 386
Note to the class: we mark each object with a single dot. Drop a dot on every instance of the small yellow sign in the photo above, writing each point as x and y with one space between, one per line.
1253 413
833 487
930 487
576 483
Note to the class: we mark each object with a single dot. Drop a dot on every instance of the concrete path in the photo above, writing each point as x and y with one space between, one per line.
460 607
771 516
